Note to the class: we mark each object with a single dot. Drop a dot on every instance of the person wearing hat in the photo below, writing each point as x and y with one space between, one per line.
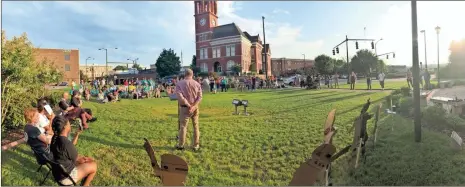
45 119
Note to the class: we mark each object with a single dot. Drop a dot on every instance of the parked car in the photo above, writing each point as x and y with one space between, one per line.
62 84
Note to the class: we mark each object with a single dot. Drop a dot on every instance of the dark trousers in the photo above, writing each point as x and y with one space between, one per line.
223 88
381 83
352 85
211 86
368 84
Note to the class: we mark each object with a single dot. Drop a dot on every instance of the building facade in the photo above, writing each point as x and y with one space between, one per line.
66 61
93 71
283 65
219 48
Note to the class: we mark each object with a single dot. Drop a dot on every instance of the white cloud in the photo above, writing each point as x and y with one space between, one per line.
280 11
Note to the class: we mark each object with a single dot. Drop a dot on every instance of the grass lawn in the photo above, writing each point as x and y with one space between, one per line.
262 149
398 161
388 85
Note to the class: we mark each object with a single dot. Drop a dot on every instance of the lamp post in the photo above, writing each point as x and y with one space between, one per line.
264 48
88 58
106 59
376 51
426 61
438 29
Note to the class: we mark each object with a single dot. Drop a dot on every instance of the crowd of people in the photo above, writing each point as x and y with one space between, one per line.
48 136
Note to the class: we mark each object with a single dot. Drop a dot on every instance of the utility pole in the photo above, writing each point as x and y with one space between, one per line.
438 29
106 60
182 61
416 74
348 66
265 51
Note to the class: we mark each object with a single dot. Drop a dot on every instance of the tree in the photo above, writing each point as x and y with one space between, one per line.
23 79
137 66
324 64
456 66
83 76
236 69
363 62
253 67
120 67
193 65
168 63
381 67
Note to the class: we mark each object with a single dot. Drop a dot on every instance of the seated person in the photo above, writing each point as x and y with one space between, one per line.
45 119
100 96
131 88
87 94
111 97
65 153
77 111
63 104
38 141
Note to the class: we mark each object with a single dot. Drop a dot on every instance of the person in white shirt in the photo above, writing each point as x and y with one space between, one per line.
381 77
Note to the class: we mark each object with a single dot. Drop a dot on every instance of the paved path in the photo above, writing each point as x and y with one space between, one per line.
457 91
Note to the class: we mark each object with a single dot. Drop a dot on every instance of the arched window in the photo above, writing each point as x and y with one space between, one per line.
229 65
204 67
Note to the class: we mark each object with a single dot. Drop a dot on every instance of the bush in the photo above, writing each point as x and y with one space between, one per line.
405 107
23 79
405 91
436 118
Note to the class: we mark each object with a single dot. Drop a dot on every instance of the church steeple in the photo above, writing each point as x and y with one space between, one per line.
204 6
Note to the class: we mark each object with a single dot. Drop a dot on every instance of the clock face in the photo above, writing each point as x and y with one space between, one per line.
213 22
202 22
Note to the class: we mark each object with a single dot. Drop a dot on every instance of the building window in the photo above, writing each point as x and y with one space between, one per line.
253 52
203 37
229 65
231 50
204 67
67 67
216 52
67 57
203 53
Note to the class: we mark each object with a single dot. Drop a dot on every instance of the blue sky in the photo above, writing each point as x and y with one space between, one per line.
142 29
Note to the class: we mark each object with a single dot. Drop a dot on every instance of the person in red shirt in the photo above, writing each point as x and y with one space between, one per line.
126 85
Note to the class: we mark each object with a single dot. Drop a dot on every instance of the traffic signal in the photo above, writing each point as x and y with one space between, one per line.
387 56
372 45
337 50
356 45
334 53
393 55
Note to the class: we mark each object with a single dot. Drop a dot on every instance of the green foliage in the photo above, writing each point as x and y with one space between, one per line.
137 66
168 63
456 67
83 76
23 79
324 64
193 66
253 67
436 118
405 91
363 61
236 69
405 106
121 67
381 66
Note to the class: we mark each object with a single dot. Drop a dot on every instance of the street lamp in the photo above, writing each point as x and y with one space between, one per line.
438 29
106 58
88 58
426 61
376 52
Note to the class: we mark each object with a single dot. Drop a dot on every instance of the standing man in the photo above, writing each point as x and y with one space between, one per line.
381 77
409 79
189 94
427 78
353 79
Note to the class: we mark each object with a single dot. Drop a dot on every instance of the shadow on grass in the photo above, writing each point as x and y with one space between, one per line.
345 97
308 93
110 143
24 167
398 160
358 108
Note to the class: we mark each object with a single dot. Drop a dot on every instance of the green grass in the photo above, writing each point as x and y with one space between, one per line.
262 149
388 85
399 161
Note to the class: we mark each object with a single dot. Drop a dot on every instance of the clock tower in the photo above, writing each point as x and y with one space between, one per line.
205 17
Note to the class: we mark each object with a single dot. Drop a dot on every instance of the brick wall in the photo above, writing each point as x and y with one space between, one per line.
67 61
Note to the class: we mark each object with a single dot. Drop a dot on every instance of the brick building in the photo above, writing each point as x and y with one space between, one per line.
218 48
96 70
282 65
67 61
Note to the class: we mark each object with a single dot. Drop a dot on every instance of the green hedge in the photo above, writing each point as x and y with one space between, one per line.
436 118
